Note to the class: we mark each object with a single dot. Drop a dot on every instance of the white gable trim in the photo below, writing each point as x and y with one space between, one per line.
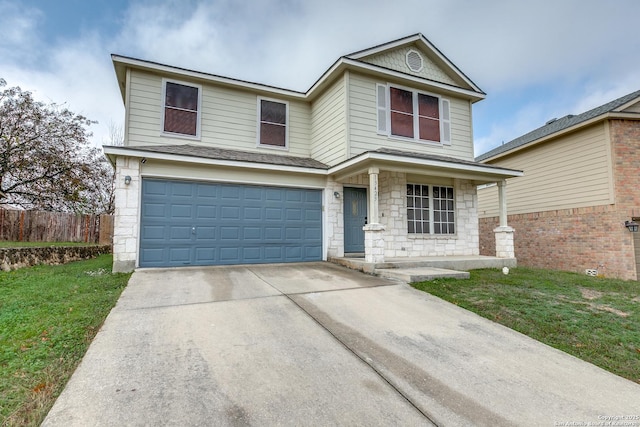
426 44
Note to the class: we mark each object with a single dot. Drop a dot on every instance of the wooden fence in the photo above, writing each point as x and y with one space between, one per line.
37 226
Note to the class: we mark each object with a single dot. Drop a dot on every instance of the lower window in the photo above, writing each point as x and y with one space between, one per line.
430 209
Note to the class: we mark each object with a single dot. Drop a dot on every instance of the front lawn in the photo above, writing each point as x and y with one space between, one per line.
48 317
595 319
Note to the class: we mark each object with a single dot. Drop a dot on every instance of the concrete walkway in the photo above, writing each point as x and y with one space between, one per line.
317 344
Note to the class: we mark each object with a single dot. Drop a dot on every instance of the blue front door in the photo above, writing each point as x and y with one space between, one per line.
355 217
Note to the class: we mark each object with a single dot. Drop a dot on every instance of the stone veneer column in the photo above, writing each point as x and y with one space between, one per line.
373 243
504 233
127 214
374 231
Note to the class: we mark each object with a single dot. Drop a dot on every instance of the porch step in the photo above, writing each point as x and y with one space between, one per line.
420 274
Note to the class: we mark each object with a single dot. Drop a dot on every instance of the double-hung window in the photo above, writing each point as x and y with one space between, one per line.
181 109
407 113
272 124
430 209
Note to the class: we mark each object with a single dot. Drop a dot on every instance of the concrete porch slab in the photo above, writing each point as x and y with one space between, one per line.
420 274
457 262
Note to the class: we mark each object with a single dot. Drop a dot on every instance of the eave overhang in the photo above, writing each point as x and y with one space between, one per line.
476 172
111 152
121 63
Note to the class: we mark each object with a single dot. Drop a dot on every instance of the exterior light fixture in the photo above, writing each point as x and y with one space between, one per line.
336 194
127 181
143 160
632 226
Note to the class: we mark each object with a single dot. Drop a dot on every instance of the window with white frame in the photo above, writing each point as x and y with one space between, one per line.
430 209
408 113
181 109
273 120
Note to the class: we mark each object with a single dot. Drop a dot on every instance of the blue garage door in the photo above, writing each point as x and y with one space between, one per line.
194 223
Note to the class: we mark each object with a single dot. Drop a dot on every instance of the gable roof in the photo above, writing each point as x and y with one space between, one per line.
465 87
567 122
423 44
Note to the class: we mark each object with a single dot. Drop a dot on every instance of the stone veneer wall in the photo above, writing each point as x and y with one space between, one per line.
393 216
14 258
334 224
127 213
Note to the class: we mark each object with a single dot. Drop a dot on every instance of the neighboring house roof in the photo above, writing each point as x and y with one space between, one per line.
559 125
464 87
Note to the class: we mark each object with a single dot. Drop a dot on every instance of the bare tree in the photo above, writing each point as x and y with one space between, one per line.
46 160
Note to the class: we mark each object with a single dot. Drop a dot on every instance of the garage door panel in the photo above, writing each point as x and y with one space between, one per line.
205 233
206 212
229 192
154 210
230 254
179 254
230 212
205 254
233 224
252 213
230 233
185 189
153 232
251 233
273 214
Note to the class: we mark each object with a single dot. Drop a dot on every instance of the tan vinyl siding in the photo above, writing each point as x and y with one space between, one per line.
396 60
635 108
570 172
228 118
363 124
328 125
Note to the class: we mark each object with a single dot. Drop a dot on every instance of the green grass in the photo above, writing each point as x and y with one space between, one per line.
6 244
595 319
48 317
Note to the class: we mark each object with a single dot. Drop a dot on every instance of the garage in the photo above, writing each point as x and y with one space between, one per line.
198 223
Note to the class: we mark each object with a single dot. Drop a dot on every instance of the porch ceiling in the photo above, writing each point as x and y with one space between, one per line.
421 164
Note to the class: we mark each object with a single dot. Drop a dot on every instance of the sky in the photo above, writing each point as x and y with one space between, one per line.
535 59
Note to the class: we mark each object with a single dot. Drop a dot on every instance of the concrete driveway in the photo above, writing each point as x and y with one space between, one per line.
317 344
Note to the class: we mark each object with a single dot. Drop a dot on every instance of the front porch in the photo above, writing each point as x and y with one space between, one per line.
415 209
417 269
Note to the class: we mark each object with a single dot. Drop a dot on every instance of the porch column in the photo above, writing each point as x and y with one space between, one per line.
373 195
504 233
502 200
373 230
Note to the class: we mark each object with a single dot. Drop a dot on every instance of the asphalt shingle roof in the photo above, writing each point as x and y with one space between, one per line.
559 125
235 155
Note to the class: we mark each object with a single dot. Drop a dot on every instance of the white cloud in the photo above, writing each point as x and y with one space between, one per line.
581 51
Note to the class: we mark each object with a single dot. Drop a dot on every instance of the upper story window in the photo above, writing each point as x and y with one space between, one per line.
181 109
272 125
407 113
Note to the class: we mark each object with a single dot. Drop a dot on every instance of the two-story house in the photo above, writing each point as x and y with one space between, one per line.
375 159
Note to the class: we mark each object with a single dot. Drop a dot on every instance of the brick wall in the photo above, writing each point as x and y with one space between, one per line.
583 238
569 240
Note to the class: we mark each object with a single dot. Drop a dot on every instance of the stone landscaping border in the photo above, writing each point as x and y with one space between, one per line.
14 258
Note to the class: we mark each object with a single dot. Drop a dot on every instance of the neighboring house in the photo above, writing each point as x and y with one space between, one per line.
375 159
581 185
